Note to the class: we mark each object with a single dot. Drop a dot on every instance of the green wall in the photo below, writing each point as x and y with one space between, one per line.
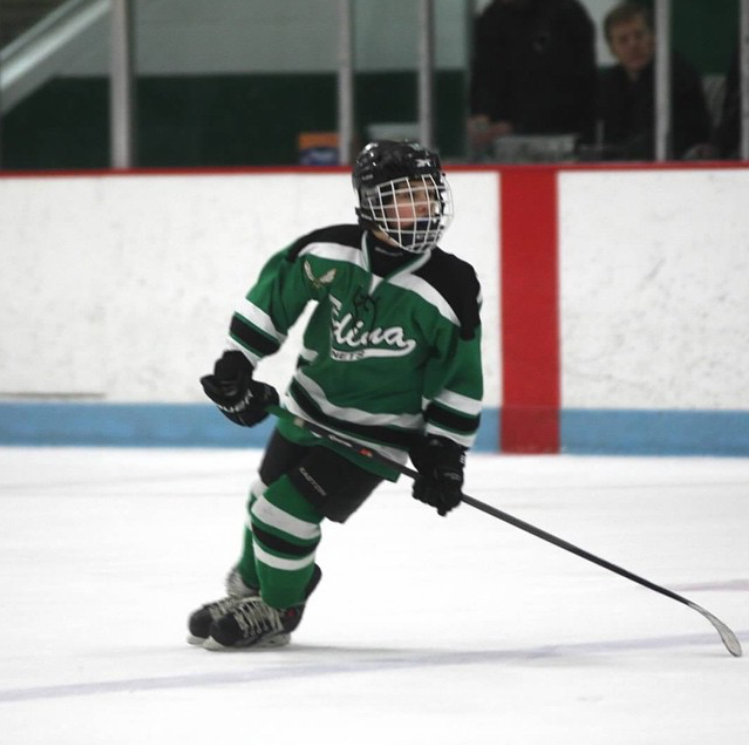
212 121
707 32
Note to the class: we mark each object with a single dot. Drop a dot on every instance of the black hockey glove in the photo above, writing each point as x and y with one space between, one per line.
440 464
237 395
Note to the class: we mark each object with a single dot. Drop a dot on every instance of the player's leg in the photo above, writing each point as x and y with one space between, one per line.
242 581
285 522
281 456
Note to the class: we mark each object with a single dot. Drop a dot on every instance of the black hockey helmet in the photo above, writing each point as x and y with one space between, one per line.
386 170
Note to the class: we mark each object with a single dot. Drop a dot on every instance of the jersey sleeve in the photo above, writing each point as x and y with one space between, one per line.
261 322
453 386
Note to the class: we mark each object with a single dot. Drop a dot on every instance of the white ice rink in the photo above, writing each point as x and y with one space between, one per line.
424 630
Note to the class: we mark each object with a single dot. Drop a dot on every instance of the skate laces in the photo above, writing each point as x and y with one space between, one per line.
255 618
221 607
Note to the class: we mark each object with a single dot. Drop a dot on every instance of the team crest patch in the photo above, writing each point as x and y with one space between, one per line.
318 282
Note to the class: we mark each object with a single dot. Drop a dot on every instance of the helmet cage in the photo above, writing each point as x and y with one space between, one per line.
413 211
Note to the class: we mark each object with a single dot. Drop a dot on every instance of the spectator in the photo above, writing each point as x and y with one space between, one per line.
533 70
626 107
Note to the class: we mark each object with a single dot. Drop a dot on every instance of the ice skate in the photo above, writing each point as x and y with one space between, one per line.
253 623
250 622
200 621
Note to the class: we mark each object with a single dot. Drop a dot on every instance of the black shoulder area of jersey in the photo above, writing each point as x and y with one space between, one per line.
457 282
343 235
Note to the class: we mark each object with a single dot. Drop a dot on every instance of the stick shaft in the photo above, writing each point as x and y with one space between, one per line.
727 636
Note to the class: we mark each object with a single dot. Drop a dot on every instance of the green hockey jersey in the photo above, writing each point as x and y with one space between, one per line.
383 357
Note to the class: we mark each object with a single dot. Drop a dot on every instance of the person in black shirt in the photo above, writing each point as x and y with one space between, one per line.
626 103
533 70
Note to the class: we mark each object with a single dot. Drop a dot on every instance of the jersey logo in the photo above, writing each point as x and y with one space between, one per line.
352 340
318 282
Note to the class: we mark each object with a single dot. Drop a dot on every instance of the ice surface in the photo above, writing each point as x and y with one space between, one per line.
446 631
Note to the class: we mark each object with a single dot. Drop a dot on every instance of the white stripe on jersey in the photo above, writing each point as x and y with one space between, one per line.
355 416
424 290
259 318
393 453
457 402
308 355
257 489
403 278
334 252
465 441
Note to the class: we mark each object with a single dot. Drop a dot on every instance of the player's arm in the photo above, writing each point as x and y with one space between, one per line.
454 390
258 328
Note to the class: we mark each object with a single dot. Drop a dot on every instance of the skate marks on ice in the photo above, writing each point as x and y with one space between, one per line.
307 661
735 585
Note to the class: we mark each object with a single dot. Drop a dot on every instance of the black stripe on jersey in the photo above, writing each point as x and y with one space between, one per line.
455 422
344 235
382 435
251 337
457 282
275 543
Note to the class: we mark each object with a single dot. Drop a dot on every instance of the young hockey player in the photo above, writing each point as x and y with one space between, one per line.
390 358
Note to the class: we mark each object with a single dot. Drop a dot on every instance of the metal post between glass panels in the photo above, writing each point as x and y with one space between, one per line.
744 78
662 80
345 81
1 96
122 136
426 73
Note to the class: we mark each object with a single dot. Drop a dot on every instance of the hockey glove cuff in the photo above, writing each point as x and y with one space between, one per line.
239 398
440 463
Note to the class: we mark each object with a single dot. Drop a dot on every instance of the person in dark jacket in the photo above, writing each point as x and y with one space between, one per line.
533 70
626 103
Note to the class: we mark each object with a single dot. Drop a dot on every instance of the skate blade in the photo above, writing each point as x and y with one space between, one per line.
196 641
279 640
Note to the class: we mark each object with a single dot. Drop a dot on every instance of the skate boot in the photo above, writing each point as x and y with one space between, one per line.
200 621
253 623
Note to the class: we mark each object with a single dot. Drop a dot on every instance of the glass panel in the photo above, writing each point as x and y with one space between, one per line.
532 80
232 82
387 61
705 79
55 110
703 38
19 16
536 93
226 83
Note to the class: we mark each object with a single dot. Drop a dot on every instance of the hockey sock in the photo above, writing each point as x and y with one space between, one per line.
246 565
286 533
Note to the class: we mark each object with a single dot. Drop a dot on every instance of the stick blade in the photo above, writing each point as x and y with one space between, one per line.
726 635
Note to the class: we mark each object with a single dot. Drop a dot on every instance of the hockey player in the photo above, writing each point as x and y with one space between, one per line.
390 358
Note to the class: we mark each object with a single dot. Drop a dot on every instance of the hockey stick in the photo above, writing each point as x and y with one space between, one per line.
727 636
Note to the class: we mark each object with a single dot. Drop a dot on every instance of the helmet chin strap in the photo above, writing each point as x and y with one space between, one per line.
377 231
385 238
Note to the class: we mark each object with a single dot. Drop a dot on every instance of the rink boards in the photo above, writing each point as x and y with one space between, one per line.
615 304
